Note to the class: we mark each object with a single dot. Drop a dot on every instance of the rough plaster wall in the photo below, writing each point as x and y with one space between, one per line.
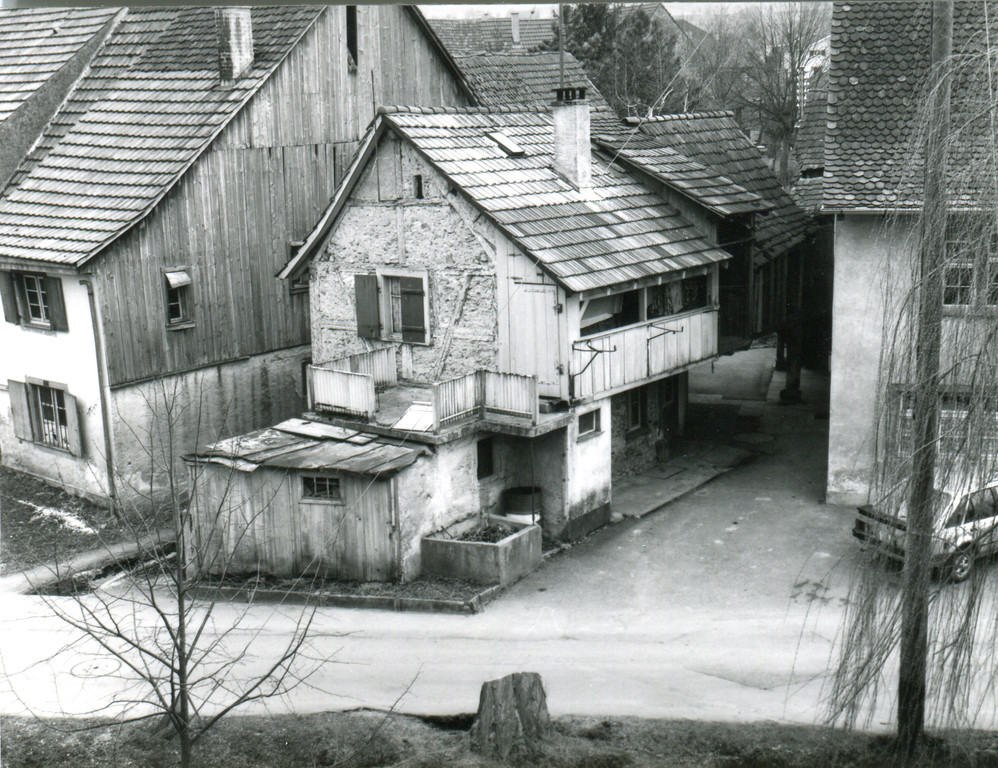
860 264
637 452
384 226
203 406
589 482
547 453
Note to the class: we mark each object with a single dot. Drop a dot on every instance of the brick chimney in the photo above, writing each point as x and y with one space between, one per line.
572 148
234 34
514 22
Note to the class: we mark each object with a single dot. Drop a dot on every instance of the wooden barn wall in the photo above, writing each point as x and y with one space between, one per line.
249 520
260 186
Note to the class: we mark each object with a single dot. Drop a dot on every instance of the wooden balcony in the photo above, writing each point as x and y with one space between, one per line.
365 386
616 360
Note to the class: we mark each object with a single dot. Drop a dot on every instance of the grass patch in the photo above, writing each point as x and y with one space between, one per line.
365 739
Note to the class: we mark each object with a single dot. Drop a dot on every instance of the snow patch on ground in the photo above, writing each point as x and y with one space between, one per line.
66 519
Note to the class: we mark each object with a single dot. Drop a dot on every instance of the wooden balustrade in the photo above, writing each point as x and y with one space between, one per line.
342 392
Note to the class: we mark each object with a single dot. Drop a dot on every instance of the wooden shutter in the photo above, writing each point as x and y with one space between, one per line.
9 298
75 443
56 305
413 316
368 316
19 407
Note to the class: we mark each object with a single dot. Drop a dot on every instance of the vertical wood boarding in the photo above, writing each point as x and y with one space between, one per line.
342 391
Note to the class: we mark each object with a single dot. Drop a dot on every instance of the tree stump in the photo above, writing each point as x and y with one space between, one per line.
512 717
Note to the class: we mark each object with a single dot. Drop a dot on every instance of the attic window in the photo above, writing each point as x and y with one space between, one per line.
506 144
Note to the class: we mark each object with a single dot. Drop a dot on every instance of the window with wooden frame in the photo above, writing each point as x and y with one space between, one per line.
589 423
970 272
392 307
45 413
179 303
324 488
33 300
636 417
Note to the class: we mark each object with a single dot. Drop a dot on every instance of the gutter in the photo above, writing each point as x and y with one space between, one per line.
104 390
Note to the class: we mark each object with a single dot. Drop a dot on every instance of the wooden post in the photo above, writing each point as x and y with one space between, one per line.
915 589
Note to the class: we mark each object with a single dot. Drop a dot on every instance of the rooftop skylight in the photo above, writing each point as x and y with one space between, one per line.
506 144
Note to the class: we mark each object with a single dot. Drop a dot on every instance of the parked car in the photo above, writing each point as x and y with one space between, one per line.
965 530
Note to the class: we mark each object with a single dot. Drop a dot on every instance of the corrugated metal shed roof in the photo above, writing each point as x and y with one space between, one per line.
149 105
310 445
879 58
623 232
527 79
36 42
491 35
715 140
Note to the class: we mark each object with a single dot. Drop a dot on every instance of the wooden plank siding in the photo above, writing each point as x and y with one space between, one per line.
642 352
261 185
258 520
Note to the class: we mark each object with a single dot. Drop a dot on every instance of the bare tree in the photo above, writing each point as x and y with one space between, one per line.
938 411
183 659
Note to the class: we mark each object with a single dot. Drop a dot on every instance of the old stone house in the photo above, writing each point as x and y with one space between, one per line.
160 165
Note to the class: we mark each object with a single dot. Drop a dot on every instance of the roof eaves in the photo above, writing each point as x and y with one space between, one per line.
167 188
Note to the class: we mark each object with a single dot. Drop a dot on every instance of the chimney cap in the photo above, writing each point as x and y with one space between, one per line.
569 95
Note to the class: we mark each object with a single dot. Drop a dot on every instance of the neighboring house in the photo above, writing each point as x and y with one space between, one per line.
506 34
519 292
760 291
525 79
871 185
177 155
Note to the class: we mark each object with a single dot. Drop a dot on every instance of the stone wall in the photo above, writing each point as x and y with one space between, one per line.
637 450
384 226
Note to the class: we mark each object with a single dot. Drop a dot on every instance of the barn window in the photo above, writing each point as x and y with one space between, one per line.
320 488
353 54
393 307
178 298
589 422
486 458
33 300
45 413
417 186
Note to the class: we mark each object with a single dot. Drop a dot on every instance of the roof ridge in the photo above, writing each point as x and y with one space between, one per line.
391 109
680 116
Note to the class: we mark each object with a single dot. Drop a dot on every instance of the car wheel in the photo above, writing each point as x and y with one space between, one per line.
961 564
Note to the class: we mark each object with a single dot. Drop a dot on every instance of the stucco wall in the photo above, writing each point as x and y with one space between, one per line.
206 405
384 226
67 358
860 270
588 483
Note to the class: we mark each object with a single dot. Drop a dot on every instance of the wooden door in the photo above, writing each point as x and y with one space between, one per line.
535 344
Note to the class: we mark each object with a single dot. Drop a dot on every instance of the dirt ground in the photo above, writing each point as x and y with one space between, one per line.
41 523
365 739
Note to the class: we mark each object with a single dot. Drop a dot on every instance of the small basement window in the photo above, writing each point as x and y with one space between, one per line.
589 422
178 297
486 458
320 488
506 144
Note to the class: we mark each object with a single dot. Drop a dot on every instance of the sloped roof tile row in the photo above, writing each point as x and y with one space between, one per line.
879 62
491 35
585 242
524 79
126 149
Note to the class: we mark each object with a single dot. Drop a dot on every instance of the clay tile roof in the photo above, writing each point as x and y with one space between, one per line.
625 232
524 79
715 140
810 147
491 35
35 43
879 58
146 109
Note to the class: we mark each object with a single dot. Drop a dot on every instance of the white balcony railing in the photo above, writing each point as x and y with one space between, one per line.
379 364
342 392
485 393
612 361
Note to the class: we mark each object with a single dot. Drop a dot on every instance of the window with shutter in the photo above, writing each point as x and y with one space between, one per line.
368 316
413 316
392 307
33 300
47 414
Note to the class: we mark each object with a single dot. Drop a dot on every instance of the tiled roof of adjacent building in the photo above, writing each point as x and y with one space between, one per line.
622 232
36 42
502 79
715 140
810 147
879 59
148 106
491 35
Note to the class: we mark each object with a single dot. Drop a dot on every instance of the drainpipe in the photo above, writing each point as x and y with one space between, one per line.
105 411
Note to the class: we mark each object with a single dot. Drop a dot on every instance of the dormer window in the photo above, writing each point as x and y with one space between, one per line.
506 144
